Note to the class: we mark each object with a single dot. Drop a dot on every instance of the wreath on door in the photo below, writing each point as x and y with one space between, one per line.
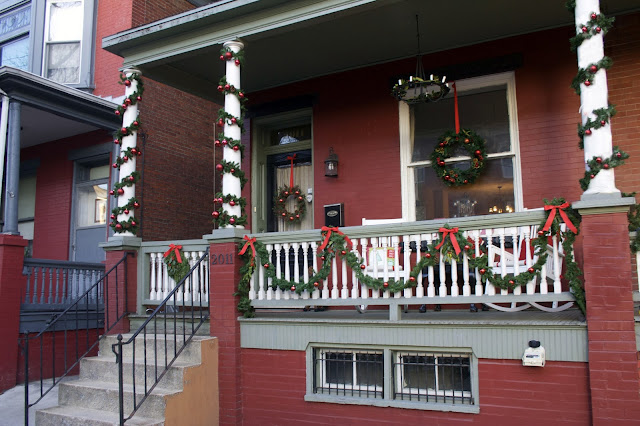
280 200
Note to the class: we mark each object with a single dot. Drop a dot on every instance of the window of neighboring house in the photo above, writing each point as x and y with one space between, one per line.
14 38
62 40
486 106
395 377
27 209
352 373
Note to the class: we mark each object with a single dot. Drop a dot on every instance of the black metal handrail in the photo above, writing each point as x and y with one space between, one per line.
94 300
170 307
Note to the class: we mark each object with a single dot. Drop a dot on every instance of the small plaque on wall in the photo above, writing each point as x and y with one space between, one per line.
334 215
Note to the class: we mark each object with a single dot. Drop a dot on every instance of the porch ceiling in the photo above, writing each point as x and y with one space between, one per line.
289 41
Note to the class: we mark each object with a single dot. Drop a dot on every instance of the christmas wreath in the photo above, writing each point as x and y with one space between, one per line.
280 203
447 145
177 264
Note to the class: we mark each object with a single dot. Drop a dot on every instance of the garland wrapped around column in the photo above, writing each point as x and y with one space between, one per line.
450 244
122 218
229 205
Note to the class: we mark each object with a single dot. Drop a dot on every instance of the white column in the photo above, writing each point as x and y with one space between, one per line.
231 184
130 141
592 97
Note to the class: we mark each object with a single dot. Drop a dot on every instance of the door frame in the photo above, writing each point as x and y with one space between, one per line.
260 150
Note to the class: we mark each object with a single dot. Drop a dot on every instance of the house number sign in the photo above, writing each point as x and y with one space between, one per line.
222 259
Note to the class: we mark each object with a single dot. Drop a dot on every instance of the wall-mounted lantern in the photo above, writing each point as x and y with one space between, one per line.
331 164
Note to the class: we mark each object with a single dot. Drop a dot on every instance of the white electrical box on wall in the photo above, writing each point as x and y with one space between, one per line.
534 355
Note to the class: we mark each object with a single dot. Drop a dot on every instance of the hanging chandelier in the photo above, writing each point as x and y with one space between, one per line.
418 89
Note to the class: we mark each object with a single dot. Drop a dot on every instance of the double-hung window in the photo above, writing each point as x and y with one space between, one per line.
14 38
62 40
487 106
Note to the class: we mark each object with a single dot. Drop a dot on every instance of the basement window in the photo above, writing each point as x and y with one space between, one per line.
349 373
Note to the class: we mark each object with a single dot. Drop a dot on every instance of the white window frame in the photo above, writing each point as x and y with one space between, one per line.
322 353
406 165
399 386
46 42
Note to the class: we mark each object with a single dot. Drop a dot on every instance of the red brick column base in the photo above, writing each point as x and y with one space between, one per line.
11 288
224 278
613 364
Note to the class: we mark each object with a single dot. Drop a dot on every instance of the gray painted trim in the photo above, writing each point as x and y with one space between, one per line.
563 342
119 243
636 296
12 182
603 203
58 99
226 235
103 149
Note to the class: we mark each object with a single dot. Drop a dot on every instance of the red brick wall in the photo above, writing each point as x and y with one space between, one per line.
54 186
273 388
145 11
622 44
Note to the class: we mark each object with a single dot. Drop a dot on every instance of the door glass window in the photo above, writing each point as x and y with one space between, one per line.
92 205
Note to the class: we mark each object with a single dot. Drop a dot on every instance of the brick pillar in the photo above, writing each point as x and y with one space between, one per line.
11 288
613 364
224 278
116 248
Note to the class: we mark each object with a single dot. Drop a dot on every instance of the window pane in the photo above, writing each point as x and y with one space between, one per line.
339 367
494 188
92 205
65 21
485 113
370 369
453 374
63 62
290 135
16 54
418 372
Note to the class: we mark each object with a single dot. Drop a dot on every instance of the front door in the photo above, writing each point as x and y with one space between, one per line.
89 219
282 146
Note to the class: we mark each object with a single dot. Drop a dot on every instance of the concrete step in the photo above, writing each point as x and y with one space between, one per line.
74 416
101 369
137 320
160 343
103 396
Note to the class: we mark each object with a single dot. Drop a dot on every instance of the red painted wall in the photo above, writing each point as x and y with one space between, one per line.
54 186
273 389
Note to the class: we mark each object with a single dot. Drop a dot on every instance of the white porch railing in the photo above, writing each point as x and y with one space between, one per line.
158 284
508 238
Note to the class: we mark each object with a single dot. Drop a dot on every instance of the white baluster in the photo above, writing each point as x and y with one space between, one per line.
455 287
419 285
479 288
305 269
344 290
503 259
205 275
278 269
531 285
374 244
442 290
270 292
334 278
153 284
490 289
517 245
395 242
314 257
406 239
296 269
557 267
466 287
354 280
431 288
364 243
287 270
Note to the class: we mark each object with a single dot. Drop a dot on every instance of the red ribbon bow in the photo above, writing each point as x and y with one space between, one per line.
249 242
329 230
291 157
176 249
452 236
563 215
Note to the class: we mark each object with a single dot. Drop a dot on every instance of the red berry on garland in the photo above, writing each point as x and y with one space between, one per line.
232 203
592 176
605 166
221 122
234 120
541 233
139 98
447 177
412 279
598 29
135 123
297 216
241 95
428 255
127 101
322 258
219 167
465 181
266 265
593 68
117 112
227 87
286 193
113 217
228 55
116 141
215 214
114 165
441 144
587 83
300 198
594 16
603 122
618 154
118 227
139 153
222 57
531 270
237 62
482 271
385 285
132 178
220 88
112 192
588 132
127 83
136 205
467 247
585 29
478 152
467 140
291 218
316 284
284 214
511 282
232 221
120 191
281 200
293 288
598 160
134 151
126 211
124 130
297 192
216 142
343 252
363 266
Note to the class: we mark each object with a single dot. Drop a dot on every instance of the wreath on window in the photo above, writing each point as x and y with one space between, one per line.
280 203
447 145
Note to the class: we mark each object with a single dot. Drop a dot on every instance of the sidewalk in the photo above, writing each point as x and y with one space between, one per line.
12 402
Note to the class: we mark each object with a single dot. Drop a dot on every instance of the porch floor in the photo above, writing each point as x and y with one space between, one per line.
446 316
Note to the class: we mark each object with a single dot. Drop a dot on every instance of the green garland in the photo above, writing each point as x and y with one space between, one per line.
225 88
132 204
131 225
339 245
225 117
447 145
226 54
129 154
603 117
126 181
280 203
634 223
234 168
126 131
175 269
230 142
596 164
585 75
598 24
427 94
133 98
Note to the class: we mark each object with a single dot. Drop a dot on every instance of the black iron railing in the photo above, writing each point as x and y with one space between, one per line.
81 326
184 314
